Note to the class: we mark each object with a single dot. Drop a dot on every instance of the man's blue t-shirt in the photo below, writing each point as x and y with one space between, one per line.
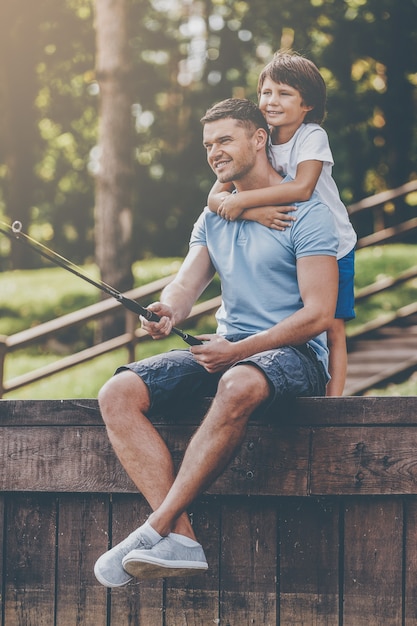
257 266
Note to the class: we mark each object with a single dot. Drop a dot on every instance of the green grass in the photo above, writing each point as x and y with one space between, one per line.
379 262
31 297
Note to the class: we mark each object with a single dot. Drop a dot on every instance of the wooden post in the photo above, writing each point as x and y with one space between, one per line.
3 352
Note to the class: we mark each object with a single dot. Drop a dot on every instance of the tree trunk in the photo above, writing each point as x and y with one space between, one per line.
18 49
113 213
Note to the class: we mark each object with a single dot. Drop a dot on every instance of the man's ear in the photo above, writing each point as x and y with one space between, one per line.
261 137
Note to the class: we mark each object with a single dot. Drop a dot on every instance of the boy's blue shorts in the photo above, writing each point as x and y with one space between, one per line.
176 378
346 296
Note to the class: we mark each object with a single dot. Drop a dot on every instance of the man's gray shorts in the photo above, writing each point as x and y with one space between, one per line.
174 378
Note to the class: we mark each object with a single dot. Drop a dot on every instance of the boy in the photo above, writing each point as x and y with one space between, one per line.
292 97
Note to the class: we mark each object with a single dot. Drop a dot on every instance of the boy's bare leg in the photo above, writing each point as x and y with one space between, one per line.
336 339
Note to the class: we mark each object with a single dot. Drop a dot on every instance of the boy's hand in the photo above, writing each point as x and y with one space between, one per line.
275 217
229 208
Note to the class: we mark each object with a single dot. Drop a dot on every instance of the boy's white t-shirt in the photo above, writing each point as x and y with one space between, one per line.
310 142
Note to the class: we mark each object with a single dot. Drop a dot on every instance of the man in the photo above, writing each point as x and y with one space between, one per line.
278 293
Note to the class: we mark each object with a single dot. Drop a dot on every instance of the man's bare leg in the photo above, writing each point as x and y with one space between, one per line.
124 401
143 453
146 458
241 390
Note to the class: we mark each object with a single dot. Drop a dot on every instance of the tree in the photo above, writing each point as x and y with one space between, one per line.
113 208
184 56
19 121
47 125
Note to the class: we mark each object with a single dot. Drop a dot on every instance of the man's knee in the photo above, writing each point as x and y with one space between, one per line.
121 392
244 385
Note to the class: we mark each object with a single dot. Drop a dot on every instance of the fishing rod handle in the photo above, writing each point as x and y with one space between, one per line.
134 306
192 341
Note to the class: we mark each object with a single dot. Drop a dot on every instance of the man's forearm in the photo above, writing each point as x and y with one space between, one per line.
193 277
178 298
292 331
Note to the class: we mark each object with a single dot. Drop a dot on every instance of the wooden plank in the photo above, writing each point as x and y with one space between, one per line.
271 461
309 569
382 197
299 412
350 411
373 531
387 234
141 601
30 560
248 567
385 283
364 461
195 600
410 605
2 553
60 459
49 412
82 537
81 459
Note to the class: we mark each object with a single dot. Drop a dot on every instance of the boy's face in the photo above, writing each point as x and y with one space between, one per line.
282 105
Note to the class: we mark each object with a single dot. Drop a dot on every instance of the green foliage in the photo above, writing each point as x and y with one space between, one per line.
185 57
379 262
30 297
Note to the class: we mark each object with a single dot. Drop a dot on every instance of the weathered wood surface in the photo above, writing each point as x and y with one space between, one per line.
317 446
314 522
383 354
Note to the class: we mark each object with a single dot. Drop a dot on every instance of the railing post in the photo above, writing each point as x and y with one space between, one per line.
131 324
3 352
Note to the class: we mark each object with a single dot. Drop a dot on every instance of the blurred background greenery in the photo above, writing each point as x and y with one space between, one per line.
185 55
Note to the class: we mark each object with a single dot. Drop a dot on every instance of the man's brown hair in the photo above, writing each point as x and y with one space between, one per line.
243 111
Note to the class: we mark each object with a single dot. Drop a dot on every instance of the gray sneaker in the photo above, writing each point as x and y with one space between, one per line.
167 558
108 568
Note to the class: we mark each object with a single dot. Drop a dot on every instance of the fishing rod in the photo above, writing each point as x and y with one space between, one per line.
15 233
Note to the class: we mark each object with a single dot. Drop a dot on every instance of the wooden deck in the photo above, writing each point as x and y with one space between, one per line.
381 356
313 523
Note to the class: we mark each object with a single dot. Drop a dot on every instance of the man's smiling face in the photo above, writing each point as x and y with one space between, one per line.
231 148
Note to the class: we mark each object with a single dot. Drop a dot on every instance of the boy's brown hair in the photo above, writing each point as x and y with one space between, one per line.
293 69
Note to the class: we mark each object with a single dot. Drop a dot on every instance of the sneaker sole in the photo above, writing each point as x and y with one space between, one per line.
155 569
106 583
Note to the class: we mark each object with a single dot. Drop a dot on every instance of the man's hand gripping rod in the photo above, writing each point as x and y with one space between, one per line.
15 233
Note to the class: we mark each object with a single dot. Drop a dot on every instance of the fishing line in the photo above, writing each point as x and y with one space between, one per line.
15 233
